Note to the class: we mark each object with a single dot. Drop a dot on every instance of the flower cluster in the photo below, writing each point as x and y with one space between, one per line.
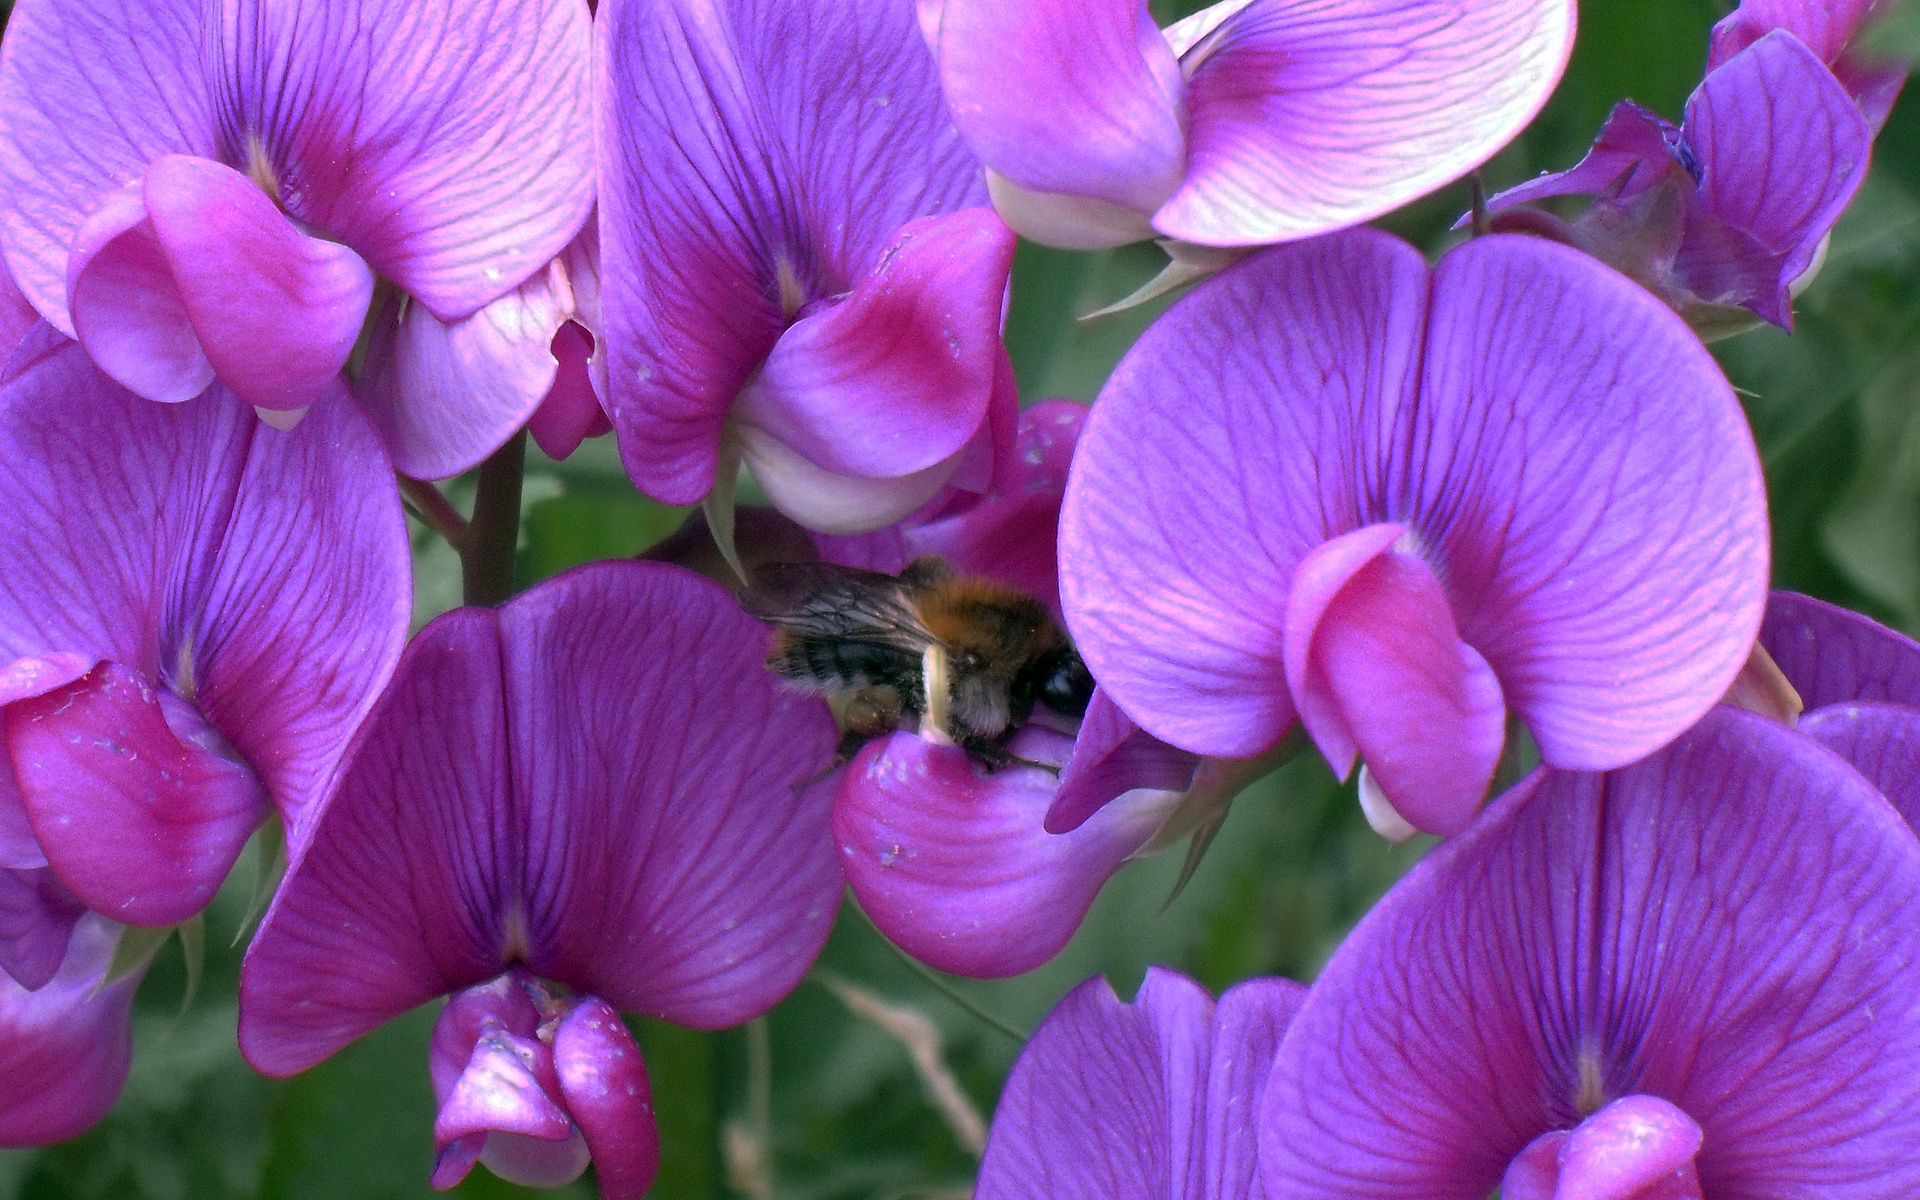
273 267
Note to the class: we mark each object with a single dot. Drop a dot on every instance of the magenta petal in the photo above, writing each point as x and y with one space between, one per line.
73 1039
897 376
138 814
958 868
1717 926
1081 97
276 312
90 93
1377 668
29 677
1826 27
1635 151
127 309
448 144
37 916
1627 1149
445 395
1590 483
482 783
605 1085
571 411
500 1090
1308 118
1111 757
1833 656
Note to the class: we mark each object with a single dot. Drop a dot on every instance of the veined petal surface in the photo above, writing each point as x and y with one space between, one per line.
1717 926
1305 118
1834 656
686 876
1082 97
758 157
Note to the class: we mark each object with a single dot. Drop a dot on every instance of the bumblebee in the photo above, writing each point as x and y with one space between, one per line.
959 659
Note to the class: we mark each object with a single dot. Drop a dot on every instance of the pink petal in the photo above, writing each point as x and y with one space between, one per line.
37 917
606 1089
1074 96
73 1039
571 412
139 812
127 309
1308 118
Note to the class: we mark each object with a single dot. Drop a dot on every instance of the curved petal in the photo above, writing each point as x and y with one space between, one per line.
606 1089
445 395
126 305
448 144
73 1037
1076 96
37 917
957 868
1782 172
760 157
1215 459
1380 673
27 677
898 375
482 784
1833 656
1111 757
263 575
1881 741
276 312
90 93
1154 1098
1826 27
570 413
837 504
1635 151
139 812
1589 481
1715 926
16 315
1309 118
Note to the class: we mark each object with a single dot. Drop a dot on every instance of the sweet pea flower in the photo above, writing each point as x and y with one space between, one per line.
1395 503
1154 1100
1829 28
66 1044
1722 216
196 612
1249 122
587 800
797 276
236 191
1690 978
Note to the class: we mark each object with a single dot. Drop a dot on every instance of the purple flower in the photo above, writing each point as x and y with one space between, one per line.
1828 27
196 612
1693 977
795 275
1246 123
1157 1098
1394 503
590 796
66 1044
1730 209
201 192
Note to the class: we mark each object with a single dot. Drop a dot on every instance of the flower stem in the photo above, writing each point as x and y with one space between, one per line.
430 504
486 553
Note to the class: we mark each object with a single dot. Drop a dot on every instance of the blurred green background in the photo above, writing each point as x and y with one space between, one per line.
1834 406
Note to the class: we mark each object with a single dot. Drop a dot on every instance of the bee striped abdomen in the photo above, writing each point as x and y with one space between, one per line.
825 664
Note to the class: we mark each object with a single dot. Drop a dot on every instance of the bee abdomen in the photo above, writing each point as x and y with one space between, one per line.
831 664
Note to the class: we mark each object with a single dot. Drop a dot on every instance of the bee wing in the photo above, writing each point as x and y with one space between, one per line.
822 600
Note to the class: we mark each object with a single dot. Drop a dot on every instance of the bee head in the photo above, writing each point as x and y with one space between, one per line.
1067 685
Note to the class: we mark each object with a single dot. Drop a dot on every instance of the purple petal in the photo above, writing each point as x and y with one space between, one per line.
139 812
897 376
571 411
1881 741
1113 756
1175 596
1589 481
37 917
25 678
760 158
73 1038
1153 1098
448 144
1379 672
1833 656
686 877
1780 170
605 1085
127 309
1308 118
1718 926
16 315
90 93
1825 27
832 503
1082 97
1633 1149
958 868
445 395
1634 152
275 311
262 575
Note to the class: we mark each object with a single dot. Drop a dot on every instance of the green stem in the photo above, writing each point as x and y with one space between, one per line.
486 554
435 511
